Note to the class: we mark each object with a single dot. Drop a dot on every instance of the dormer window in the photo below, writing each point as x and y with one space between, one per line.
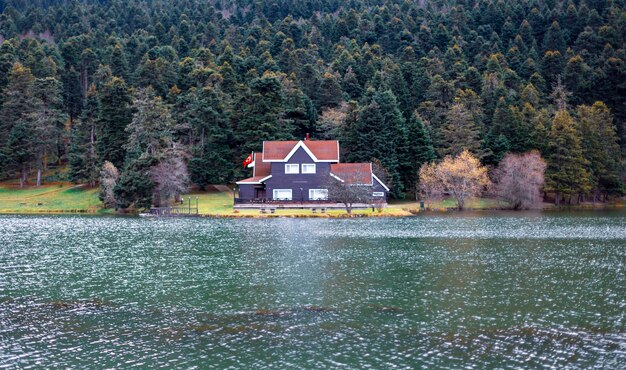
308 168
292 168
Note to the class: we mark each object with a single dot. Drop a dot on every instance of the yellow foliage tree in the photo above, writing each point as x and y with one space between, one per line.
462 177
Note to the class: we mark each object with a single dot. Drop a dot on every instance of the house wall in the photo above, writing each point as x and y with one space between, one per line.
378 187
281 180
246 191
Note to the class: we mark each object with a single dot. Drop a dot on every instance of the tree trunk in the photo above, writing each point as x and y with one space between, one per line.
39 176
557 198
23 176
157 198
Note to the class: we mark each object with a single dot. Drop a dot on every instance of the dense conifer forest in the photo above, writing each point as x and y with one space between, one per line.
166 87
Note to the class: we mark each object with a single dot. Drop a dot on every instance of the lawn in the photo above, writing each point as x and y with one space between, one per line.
66 197
49 198
220 203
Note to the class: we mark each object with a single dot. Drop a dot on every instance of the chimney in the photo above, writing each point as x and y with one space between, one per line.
307 137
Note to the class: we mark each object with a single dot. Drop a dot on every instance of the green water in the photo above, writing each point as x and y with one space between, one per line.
519 290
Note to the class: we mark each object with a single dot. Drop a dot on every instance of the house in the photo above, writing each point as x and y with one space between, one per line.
298 172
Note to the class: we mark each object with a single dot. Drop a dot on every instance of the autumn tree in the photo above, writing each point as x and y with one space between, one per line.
462 177
429 185
520 179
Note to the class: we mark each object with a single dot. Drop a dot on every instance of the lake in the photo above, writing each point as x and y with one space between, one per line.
506 290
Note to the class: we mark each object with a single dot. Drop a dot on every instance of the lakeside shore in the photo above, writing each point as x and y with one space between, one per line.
67 198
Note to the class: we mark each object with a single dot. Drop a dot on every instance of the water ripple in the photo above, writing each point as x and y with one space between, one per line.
520 291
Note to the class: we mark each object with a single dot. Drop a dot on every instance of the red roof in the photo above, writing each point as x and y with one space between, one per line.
353 173
323 150
254 179
261 168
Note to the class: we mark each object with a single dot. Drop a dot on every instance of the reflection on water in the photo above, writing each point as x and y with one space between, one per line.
508 290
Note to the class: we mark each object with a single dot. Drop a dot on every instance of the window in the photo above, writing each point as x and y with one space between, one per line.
378 194
282 194
308 168
292 168
318 194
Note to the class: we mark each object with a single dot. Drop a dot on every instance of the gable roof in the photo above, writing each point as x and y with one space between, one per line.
254 180
261 168
318 150
355 174
352 173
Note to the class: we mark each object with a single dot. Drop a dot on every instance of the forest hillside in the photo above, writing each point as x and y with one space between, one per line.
135 93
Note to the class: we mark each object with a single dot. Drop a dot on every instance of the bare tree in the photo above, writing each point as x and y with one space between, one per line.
520 178
109 176
348 191
171 179
462 177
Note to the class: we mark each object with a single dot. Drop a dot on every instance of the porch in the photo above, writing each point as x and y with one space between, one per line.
262 203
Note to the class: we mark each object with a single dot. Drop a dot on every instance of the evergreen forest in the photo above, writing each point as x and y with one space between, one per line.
168 87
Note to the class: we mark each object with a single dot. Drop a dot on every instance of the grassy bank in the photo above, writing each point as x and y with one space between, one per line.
49 198
65 197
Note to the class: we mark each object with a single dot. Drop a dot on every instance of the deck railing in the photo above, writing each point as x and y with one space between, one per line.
280 201
173 211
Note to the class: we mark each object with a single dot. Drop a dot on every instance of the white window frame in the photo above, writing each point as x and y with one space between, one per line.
292 169
312 195
378 194
308 165
276 192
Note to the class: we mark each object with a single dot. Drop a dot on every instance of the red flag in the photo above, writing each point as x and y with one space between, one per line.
247 161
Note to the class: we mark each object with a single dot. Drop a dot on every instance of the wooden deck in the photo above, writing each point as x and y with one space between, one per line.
299 205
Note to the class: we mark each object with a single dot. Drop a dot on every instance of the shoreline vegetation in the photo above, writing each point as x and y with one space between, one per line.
68 198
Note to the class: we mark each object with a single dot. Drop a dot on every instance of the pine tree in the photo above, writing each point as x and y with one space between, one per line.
460 132
21 155
567 167
509 122
330 91
16 117
8 57
419 151
151 130
135 187
150 141
351 84
207 114
600 148
83 160
257 115
495 147
381 134
114 115
47 123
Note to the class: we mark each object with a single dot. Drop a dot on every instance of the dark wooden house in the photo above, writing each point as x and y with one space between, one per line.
298 172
